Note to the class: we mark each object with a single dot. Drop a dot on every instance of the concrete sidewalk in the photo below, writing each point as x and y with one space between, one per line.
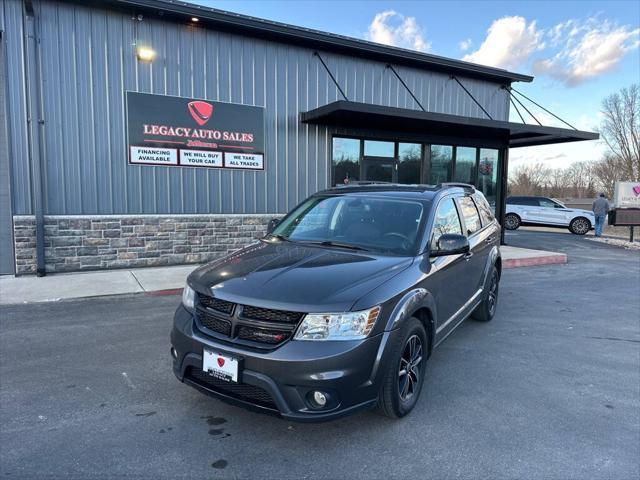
54 287
159 280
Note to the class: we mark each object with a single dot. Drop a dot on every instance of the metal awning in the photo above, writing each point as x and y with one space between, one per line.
368 116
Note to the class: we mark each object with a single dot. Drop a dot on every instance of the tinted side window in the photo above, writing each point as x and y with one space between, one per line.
530 201
485 210
514 200
470 214
546 203
446 221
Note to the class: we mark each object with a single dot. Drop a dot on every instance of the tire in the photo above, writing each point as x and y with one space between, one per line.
487 308
580 226
511 221
400 392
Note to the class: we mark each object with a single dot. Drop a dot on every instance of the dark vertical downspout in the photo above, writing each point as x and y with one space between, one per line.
502 193
32 94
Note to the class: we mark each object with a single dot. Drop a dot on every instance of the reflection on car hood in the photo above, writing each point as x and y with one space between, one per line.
292 276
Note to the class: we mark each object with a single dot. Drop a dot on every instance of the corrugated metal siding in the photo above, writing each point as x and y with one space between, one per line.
88 62
13 38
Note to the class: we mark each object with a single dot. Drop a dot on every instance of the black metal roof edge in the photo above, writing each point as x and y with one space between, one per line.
312 115
320 39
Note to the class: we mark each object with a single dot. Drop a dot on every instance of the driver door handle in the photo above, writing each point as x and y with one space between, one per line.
468 255
490 239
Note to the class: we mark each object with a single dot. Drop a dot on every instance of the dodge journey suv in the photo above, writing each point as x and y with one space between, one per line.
340 305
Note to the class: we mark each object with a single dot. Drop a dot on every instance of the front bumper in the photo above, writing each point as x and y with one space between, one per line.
279 381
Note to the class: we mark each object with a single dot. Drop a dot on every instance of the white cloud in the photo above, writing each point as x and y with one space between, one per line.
465 44
556 156
392 28
588 49
509 43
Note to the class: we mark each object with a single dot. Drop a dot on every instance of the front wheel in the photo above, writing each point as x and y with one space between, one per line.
580 226
511 221
487 308
403 380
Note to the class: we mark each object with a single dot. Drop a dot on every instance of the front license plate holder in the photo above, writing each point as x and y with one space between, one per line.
221 366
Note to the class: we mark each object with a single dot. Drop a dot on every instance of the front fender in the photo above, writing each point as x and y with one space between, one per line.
412 301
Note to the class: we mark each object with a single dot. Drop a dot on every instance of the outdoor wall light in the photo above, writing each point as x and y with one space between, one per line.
145 54
195 19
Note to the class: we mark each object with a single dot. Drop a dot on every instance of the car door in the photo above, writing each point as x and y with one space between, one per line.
451 289
551 212
478 245
530 210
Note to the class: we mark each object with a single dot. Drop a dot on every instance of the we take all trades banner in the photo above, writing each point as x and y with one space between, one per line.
187 132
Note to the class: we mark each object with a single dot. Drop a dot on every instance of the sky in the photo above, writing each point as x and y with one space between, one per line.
578 51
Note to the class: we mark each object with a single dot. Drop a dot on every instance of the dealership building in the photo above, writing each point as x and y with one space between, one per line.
139 133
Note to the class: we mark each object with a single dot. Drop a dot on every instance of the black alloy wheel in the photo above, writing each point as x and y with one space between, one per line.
409 373
405 370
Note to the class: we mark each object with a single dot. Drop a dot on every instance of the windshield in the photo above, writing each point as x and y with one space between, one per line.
381 225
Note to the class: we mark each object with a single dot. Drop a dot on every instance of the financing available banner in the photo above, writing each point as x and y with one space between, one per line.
187 132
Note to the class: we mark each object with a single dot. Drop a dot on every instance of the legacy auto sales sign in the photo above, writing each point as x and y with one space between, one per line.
186 132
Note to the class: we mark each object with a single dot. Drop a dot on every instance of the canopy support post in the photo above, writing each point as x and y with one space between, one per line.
316 54
406 87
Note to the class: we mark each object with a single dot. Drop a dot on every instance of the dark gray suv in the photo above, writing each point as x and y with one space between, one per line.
339 307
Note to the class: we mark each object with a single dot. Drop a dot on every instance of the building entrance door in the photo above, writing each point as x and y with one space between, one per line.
379 169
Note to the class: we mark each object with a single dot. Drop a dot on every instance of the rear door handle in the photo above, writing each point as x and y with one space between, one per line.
490 239
468 255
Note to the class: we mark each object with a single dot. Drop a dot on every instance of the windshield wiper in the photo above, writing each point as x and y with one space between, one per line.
330 243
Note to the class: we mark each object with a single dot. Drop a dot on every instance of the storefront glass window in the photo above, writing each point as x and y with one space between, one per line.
465 165
374 148
346 160
409 162
441 157
488 175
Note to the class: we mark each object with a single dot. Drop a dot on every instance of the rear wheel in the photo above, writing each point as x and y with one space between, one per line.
580 226
403 380
511 221
487 309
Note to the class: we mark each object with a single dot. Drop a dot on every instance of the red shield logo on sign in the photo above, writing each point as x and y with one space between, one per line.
200 111
221 362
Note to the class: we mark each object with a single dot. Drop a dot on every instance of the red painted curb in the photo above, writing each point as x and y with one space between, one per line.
556 259
159 293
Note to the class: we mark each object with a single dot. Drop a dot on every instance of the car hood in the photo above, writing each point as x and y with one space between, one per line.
292 276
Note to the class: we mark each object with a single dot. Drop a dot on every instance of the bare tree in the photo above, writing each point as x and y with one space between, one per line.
528 179
620 129
606 173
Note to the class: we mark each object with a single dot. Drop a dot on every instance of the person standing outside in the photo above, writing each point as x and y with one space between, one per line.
600 209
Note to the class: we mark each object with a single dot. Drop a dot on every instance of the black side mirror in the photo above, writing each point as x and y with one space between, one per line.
451 244
271 226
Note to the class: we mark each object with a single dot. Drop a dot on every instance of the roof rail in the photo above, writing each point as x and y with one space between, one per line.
466 186
364 182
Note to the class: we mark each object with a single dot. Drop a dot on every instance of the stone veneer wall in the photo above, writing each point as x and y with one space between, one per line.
74 243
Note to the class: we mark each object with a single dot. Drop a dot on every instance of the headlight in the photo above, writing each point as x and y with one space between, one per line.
188 297
337 326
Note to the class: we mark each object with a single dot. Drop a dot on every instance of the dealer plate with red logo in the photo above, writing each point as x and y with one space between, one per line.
220 366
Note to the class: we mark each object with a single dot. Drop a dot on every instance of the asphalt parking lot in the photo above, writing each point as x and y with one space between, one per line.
549 389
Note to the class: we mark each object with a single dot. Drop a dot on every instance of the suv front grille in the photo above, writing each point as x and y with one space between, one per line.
214 323
216 304
263 335
240 391
268 315
252 326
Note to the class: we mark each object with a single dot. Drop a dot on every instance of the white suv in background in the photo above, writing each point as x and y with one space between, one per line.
546 212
